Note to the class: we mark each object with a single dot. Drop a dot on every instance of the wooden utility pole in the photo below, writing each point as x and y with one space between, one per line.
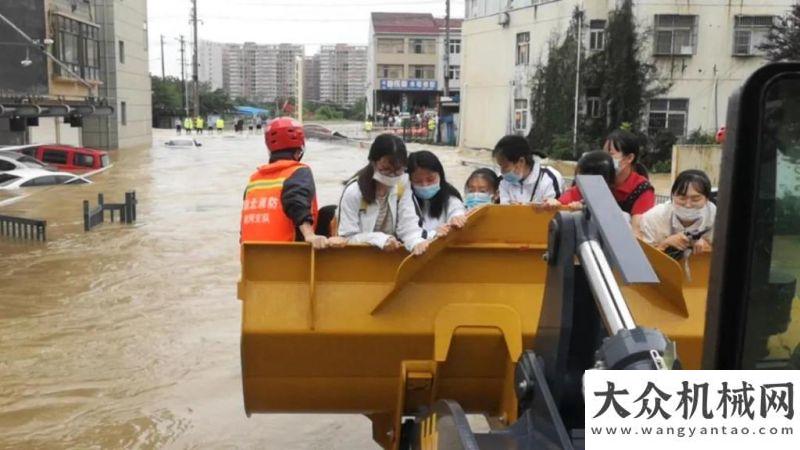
163 72
195 62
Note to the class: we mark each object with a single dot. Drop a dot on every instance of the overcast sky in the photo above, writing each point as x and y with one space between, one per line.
309 22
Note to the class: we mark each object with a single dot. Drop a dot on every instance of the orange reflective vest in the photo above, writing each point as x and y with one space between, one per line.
263 219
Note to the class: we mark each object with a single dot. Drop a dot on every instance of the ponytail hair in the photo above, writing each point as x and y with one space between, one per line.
628 144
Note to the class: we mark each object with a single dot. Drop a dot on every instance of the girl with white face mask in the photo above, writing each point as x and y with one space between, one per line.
439 205
689 213
377 206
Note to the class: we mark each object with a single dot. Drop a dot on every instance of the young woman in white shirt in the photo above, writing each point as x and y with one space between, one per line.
525 181
438 203
377 206
687 221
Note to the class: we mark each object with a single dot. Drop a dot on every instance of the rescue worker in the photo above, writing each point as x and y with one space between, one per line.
368 126
431 128
376 207
280 203
525 180
199 125
632 189
188 125
220 125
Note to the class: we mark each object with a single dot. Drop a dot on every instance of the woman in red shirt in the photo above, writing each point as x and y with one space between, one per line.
632 189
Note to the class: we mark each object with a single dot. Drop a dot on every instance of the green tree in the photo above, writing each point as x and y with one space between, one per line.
783 40
553 81
217 101
167 97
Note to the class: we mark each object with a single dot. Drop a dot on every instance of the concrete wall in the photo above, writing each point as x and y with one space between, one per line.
128 81
707 158
490 80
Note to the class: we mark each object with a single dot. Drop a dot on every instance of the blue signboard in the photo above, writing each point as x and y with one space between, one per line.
409 85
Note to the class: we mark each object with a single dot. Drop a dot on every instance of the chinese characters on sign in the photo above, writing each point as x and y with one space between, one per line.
409 85
256 210
703 409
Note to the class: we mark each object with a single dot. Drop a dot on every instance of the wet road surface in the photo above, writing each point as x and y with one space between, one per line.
128 336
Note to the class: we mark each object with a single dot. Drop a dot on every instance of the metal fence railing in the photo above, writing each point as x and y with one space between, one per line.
95 216
20 228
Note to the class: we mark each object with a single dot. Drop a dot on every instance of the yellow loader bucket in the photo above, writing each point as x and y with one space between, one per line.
357 330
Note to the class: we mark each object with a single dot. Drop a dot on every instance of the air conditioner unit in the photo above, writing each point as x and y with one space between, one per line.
686 50
503 19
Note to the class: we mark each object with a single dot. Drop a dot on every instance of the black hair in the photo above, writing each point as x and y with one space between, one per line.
384 145
597 162
282 154
695 178
324 220
487 174
628 144
424 159
513 148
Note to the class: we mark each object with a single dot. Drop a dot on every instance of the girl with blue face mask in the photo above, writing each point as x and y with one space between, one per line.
481 188
439 204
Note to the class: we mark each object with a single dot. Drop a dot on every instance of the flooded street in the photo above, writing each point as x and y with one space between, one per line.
128 336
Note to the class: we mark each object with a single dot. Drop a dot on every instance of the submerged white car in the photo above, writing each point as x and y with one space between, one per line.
18 161
183 142
23 178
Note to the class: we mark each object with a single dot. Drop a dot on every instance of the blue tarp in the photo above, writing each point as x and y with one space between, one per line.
252 111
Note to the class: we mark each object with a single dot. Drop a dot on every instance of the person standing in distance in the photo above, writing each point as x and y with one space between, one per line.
280 203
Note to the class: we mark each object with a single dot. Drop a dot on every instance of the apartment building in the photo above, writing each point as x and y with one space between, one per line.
256 72
704 49
405 61
343 73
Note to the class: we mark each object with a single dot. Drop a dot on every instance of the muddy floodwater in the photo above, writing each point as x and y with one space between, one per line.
128 336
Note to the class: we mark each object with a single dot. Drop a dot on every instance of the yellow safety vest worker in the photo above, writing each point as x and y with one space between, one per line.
198 122
220 124
368 126
187 123
432 124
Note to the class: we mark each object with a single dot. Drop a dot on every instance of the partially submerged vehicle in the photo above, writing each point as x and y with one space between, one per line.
183 142
24 178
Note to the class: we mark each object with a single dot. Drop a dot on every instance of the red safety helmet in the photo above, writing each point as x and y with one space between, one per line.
284 133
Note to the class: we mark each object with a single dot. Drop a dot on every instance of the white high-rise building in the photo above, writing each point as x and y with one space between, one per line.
210 63
342 73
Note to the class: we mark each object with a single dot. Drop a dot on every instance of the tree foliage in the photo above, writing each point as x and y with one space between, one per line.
167 96
783 40
620 76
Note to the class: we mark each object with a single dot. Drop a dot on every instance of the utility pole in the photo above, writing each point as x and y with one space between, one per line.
299 76
195 83
163 72
183 77
579 42
447 49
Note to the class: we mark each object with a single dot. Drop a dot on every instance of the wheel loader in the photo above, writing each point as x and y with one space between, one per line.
502 318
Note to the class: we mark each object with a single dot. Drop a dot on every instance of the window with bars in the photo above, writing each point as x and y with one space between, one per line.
675 35
520 114
422 72
77 46
523 49
597 35
668 114
390 45
749 33
422 46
